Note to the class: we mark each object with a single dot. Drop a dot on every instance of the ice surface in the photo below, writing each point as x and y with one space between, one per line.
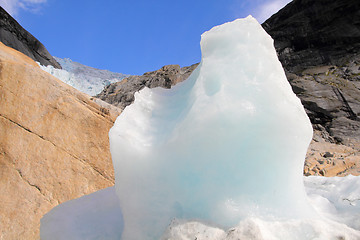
85 79
227 144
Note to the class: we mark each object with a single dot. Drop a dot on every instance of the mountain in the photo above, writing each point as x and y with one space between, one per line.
121 94
314 33
86 79
12 34
54 144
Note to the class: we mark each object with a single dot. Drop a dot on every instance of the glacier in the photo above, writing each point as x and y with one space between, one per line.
86 79
218 156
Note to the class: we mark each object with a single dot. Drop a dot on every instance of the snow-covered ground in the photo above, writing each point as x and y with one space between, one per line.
337 198
86 79
98 216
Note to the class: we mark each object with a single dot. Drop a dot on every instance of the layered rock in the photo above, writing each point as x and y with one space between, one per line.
330 95
311 33
53 144
318 44
14 35
121 94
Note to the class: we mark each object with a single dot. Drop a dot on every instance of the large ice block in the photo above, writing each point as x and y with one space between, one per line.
227 144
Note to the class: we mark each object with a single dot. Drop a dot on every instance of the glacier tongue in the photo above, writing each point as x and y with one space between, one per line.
225 145
85 79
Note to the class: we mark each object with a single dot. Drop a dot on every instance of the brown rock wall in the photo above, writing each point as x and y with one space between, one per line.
54 144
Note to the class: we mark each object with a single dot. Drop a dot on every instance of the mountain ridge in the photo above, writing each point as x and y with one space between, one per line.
121 94
13 35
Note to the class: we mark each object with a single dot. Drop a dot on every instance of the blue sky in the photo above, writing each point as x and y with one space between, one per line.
130 36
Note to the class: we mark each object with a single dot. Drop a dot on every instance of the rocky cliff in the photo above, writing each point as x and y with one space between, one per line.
53 144
12 34
318 44
310 33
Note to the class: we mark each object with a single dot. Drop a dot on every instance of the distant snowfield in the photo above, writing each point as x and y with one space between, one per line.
85 79
98 216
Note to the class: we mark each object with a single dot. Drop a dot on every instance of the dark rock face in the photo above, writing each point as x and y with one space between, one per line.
121 94
13 35
312 33
318 44
331 97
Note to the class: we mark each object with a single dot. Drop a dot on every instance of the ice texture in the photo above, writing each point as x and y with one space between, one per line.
336 198
98 216
85 79
227 144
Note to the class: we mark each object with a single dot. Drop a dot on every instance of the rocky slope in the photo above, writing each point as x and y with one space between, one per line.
14 35
53 144
121 94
